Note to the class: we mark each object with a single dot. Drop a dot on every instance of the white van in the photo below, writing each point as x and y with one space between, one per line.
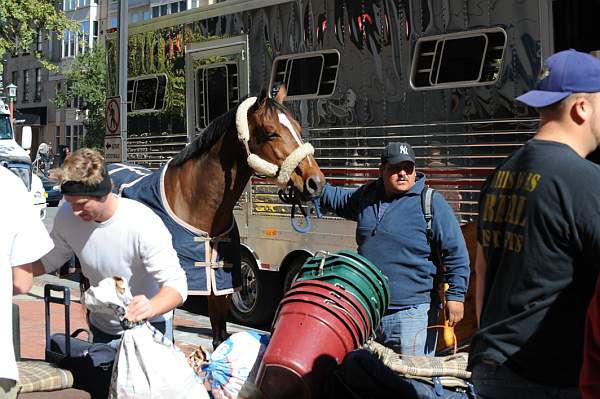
16 158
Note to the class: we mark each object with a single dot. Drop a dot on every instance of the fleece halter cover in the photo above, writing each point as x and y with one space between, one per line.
260 165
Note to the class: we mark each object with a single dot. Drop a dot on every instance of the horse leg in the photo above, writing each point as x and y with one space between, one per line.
218 309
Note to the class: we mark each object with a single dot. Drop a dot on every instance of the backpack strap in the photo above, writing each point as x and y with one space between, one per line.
427 207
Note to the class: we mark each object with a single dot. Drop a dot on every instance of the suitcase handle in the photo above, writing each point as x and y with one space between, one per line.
65 300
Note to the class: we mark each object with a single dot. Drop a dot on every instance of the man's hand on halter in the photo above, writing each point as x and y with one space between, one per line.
140 308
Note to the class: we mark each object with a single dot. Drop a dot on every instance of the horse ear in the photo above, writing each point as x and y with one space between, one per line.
281 94
262 97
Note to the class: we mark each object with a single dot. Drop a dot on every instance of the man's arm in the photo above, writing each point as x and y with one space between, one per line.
344 203
142 308
480 268
37 268
455 258
22 279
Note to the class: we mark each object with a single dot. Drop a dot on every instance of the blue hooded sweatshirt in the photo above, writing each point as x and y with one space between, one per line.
397 243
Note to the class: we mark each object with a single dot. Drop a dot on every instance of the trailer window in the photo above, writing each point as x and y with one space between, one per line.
459 59
309 75
147 94
216 91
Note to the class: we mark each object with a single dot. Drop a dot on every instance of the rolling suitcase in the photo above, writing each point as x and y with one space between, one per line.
90 363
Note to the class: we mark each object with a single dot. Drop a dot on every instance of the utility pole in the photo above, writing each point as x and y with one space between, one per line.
123 41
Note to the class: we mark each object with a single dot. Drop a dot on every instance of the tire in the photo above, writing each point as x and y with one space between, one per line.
257 300
292 272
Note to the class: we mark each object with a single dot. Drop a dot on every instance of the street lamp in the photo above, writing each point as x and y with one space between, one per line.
12 94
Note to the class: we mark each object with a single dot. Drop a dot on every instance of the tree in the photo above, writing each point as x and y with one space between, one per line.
86 78
21 20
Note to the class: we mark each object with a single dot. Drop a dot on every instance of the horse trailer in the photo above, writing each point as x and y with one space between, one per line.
441 75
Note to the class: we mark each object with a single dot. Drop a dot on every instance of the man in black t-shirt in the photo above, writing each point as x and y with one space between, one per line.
539 242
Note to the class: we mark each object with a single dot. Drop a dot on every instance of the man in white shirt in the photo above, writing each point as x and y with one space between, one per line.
114 236
23 240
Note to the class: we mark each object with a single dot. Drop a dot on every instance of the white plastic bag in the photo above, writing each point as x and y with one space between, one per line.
232 368
147 365
150 366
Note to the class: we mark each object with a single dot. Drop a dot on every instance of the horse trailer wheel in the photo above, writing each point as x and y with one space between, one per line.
255 303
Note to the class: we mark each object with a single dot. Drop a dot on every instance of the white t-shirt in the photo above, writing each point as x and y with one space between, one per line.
133 244
23 239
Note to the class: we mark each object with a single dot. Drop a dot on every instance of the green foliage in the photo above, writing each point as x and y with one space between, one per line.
86 78
21 19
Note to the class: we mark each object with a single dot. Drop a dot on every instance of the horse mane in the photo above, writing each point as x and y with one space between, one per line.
215 130
205 141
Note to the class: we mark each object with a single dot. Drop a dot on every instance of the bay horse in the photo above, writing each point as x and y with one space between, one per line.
198 189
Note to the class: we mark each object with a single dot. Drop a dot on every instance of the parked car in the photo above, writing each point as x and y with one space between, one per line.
54 195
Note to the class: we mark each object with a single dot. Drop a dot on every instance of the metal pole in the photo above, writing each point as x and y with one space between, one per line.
123 40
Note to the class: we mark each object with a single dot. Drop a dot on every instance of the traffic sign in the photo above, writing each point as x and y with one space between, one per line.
112 149
113 116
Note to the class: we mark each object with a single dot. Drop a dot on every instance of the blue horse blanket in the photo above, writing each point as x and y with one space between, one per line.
211 264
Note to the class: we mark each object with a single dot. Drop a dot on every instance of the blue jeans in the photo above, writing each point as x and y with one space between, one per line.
405 330
494 380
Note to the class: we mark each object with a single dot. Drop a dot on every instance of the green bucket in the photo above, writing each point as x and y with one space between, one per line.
345 259
354 273
385 299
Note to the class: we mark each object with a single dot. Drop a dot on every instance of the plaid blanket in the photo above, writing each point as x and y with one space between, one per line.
211 264
38 376
451 370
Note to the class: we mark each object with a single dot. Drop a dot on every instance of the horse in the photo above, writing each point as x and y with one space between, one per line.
198 188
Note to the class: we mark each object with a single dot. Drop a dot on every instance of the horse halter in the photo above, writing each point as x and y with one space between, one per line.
259 165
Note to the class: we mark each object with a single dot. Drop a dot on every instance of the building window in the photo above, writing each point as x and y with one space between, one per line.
164 9
15 78
94 33
57 138
182 6
308 75
39 43
155 12
38 84
83 37
26 80
217 91
458 60
68 137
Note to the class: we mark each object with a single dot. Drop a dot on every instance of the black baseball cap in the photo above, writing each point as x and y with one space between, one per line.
396 152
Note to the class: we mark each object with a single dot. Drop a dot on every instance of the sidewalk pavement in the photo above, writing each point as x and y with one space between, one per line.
190 329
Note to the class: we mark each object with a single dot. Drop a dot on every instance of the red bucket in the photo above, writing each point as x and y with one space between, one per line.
340 295
308 341
339 312
332 297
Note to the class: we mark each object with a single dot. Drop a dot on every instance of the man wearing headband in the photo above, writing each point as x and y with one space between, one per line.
114 236
539 242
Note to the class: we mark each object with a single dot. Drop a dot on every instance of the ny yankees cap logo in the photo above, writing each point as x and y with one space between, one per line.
398 152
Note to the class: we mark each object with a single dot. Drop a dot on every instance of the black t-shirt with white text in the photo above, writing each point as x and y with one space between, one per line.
539 225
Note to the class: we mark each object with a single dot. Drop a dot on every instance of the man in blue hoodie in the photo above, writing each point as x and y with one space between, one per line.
391 232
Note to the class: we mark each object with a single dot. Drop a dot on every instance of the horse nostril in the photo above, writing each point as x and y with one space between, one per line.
313 185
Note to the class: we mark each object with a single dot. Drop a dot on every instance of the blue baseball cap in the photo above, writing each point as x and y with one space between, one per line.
395 152
563 74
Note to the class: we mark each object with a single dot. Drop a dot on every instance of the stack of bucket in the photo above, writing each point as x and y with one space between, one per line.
333 307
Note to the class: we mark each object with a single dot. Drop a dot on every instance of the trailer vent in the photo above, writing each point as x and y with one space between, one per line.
217 91
307 75
460 59
146 93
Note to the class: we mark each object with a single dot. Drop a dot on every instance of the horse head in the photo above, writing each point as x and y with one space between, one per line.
273 142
